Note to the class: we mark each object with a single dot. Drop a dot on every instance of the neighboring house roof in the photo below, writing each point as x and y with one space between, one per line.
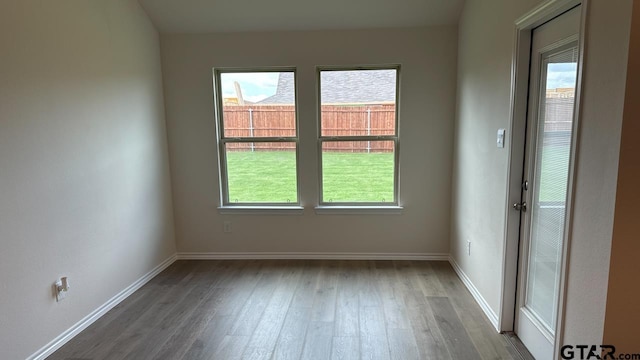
342 87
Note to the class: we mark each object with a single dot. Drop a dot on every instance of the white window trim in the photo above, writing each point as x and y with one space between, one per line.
245 207
319 210
366 207
359 210
261 210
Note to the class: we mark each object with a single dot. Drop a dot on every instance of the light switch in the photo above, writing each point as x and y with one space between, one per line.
500 140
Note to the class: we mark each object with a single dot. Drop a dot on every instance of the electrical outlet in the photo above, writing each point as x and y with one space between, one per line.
469 248
61 287
227 226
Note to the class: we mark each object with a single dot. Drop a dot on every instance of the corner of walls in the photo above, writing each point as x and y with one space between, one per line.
623 297
84 184
492 316
165 133
483 106
604 79
480 168
85 322
427 56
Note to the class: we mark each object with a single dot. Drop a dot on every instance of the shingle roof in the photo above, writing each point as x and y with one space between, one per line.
343 87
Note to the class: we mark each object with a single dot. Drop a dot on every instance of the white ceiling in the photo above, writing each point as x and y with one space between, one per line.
204 16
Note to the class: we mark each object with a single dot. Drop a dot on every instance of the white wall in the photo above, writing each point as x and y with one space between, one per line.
84 176
607 44
480 169
428 59
486 37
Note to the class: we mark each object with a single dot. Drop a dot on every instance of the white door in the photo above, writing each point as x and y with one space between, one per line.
553 73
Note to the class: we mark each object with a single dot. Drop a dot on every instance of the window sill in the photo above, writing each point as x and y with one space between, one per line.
261 210
359 210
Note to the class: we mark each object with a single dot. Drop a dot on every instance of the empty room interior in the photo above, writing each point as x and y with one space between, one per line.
388 179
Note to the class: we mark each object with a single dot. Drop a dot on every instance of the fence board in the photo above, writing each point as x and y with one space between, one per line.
280 121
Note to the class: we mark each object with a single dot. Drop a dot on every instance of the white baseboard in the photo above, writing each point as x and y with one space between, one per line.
310 256
63 338
493 317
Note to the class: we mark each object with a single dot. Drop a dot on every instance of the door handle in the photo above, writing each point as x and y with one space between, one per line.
520 206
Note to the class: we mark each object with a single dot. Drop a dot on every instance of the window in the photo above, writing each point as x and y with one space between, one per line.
257 137
358 139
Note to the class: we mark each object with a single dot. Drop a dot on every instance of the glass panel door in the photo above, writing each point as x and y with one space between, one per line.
550 178
548 152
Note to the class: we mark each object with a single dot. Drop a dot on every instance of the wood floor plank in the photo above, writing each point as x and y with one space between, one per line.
429 279
345 348
157 331
317 344
475 321
253 309
396 316
455 335
136 330
264 337
372 321
242 282
209 339
306 290
368 291
408 283
402 345
178 344
414 298
292 335
174 274
392 297
208 342
347 303
257 354
231 347
427 334
324 304
152 340
374 347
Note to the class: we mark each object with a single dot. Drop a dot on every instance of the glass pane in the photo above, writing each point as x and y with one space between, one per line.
262 172
358 102
258 104
358 171
553 148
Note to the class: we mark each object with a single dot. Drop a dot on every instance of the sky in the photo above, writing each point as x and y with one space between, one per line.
255 85
561 75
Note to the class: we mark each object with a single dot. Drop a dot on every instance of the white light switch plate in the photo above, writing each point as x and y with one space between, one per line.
500 139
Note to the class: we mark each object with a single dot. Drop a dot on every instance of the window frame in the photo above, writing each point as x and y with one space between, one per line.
324 206
222 141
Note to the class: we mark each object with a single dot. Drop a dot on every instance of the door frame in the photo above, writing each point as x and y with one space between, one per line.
516 143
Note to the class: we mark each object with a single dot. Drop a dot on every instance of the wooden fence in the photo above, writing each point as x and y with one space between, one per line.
280 121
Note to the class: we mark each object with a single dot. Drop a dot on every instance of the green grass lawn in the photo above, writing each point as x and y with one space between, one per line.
270 176
555 170
262 176
357 177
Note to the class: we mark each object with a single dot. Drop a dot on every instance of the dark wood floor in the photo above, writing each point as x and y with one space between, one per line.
285 309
